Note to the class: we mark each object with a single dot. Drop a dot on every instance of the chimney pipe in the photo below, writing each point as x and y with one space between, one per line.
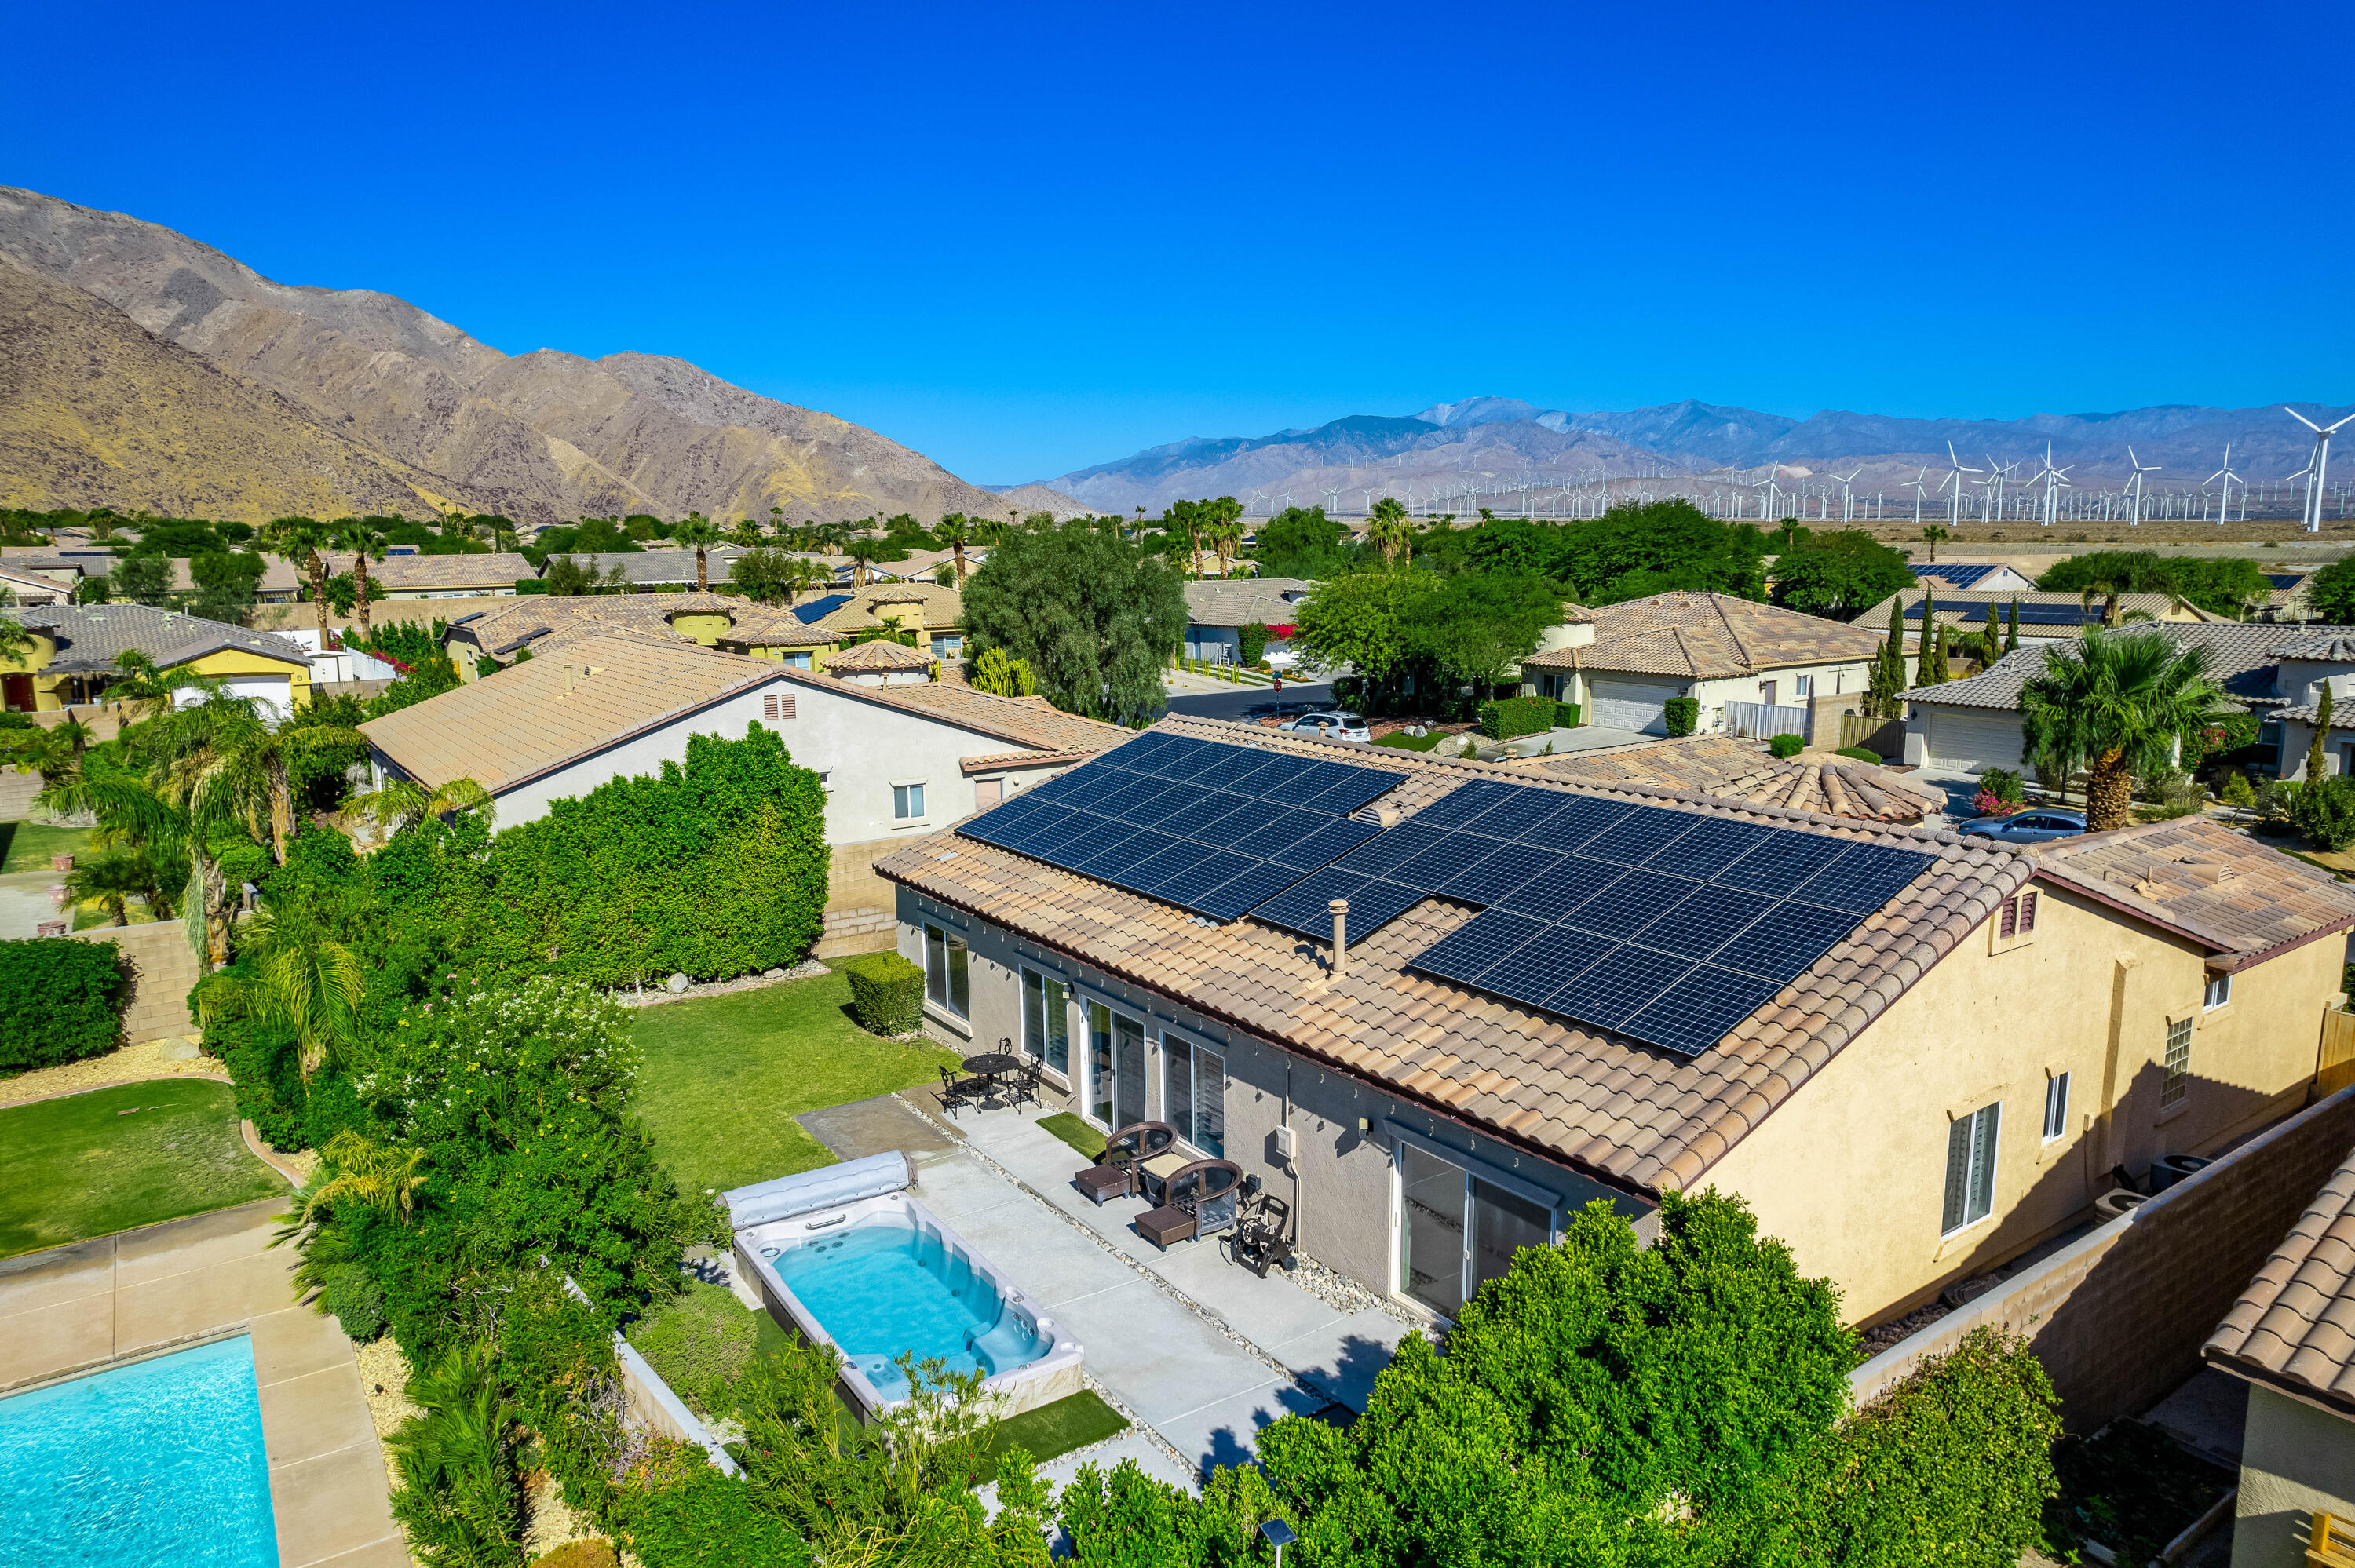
1340 907
568 679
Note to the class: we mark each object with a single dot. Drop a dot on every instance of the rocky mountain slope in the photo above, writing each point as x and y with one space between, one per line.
541 436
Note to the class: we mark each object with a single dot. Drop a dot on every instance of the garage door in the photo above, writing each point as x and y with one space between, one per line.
269 692
1632 704
1959 738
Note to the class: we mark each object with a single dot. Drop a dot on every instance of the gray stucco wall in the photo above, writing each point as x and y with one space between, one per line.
2295 1459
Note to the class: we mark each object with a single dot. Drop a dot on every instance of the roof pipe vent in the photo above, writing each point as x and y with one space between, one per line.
1340 908
568 679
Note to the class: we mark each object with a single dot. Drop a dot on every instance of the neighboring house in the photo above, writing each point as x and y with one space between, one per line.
2268 670
1945 1087
2291 1338
491 575
932 615
332 664
1976 577
646 570
2044 617
72 658
596 702
1624 662
2288 599
2323 656
480 641
1726 768
1216 613
21 585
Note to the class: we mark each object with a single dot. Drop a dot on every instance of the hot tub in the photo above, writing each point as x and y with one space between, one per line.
881 1276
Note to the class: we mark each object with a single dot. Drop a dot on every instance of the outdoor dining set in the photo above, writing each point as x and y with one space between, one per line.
993 1080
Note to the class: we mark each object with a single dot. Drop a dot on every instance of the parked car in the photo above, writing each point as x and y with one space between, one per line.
2041 824
1336 725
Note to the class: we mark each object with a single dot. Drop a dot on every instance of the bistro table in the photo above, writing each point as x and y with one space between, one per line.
990 1067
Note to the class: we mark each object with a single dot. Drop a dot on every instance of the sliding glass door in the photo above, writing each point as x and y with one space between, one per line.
1457 1232
1115 1067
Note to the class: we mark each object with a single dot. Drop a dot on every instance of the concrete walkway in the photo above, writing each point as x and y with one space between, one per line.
82 1307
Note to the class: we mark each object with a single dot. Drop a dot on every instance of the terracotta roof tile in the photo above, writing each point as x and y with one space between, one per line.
1729 769
882 654
2295 1324
2241 658
1708 635
2241 898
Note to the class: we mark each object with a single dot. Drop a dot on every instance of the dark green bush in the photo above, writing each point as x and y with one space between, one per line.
530 585
1252 640
60 1001
1858 754
354 1300
1509 716
1787 745
887 993
1683 714
1567 716
2325 811
241 861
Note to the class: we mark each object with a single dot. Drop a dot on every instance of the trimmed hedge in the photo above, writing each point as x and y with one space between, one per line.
1858 754
1787 745
1509 716
1568 715
887 993
60 1001
531 584
1683 714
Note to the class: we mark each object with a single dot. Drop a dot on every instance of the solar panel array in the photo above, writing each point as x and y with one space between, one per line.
1667 926
1215 829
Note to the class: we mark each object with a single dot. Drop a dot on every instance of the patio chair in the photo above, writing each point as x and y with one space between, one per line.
1027 1082
1200 1198
1152 1147
956 1092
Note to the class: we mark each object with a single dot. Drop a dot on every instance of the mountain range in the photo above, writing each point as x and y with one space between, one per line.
143 370
1455 454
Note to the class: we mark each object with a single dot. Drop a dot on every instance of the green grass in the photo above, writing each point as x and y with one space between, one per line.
27 846
725 1075
1406 742
1079 1134
77 1166
1073 1422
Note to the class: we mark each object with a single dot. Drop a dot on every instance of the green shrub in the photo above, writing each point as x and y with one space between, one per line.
2003 783
531 584
60 1001
1683 714
1509 716
241 861
699 1342
2238 792
1254 641
354 1300
1858 754
2325 811
1406 742
1787 745
1568 715
887 993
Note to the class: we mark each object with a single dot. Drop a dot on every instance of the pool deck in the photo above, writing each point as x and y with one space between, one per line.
80 1307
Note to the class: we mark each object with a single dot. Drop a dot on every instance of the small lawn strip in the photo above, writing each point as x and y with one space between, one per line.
1082 1136
1054 1429
725 1075
1406 742
90 1165
27 846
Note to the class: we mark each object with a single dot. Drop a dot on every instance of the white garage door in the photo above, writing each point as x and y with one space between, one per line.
1961 738
269 692
1632 704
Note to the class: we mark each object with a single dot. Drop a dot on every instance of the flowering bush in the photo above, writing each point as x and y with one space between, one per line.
1987 805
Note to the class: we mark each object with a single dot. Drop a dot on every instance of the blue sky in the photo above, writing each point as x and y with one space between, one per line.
1027 240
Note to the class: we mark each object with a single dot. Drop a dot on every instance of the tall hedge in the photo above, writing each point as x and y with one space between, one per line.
1507 718
60 1001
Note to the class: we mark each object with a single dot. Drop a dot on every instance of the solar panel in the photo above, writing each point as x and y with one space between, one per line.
1576 824
1780 863
1631 903
1392 849
1498 872
1568 887
1305 906
1282 828
1213 870
1105 841
1619 984
1225 817
1355 787
1182 757
1704 920
1538 966
1451 854
1695 1012
1233 899
1138 754
1711 846
1273 778
1465 802
1787 943
1084 786
1522 812
1337 838
1047 821
1132 792
1484 939
1639 835
1865 878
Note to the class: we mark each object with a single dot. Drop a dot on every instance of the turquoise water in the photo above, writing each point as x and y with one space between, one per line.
885 1291
158 1462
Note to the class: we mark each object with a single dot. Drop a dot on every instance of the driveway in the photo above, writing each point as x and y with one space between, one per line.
1585 738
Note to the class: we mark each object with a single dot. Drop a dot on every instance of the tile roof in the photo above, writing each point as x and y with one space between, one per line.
89 636
519 621
1709 636
659 566
2242 656
2293 1326
1963 609
1961 574
1726 768
2241 899
518 723
400 574
880 654
1241 601
943 607
1640 1118
1033 722
2330 645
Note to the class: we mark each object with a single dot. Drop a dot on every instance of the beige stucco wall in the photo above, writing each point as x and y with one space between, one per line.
2295 1459
1851 1171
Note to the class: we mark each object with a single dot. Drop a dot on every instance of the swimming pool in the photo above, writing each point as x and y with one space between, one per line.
160 1461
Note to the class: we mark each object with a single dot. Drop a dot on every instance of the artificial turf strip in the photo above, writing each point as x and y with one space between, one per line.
1073 1422
725 1075
27 846
1082 1136
90 1165
1405 742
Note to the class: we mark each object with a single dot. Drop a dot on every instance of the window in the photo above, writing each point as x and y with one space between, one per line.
797 661
946 981
2056 1107
1457 1232
2218 992
1803 687
1970 1168
2016 916
1047 1020
1194 1093
2177 1082
907 803
947 646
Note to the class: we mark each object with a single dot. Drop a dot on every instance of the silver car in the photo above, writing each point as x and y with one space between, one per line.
1332 724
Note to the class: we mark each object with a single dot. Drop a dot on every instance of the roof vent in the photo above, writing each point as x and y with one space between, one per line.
1340 908
568 679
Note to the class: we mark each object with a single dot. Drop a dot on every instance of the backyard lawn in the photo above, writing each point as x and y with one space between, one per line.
725 1075
27 846
90 1165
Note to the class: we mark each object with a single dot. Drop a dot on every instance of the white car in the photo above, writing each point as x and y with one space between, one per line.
1332 725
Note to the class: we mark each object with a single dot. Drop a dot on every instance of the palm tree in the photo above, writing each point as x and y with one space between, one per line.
403 803
2120 704
1934 534
459 1452
50 753
863 553
954 533
777 521
1226 542
307 982
304 543
366 544
832 538
374 1175
111 880
699 534
1388 531
222 751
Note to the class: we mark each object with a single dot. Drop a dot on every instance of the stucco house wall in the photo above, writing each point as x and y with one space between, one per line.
2295 1459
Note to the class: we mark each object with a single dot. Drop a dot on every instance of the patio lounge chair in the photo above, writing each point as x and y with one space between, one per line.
1200 1200
956 1092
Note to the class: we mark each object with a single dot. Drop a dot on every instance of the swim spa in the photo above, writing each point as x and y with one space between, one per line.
850 1258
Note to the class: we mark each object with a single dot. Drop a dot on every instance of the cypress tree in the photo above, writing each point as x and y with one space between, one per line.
2012 636
1929 635
1991 640
2316 756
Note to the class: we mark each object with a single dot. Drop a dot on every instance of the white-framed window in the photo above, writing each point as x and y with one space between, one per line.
1047 1020
800 660
1194 1093
1970 1168
2056 1107
1803 687
947 646
946 982
2218 992
907 803
2177 1082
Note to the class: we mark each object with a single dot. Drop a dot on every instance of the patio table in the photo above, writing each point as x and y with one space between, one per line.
990 1067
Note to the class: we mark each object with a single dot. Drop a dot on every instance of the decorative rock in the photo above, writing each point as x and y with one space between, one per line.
179 1051
772 974
676 983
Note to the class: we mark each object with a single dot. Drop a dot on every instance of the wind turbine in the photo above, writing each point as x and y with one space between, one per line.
1918 488
2134 488
2320 465
1955 478
1847 502
2224 507
2056 480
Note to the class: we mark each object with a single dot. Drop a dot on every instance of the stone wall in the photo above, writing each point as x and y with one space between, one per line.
860 907
163 971
2118 1316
